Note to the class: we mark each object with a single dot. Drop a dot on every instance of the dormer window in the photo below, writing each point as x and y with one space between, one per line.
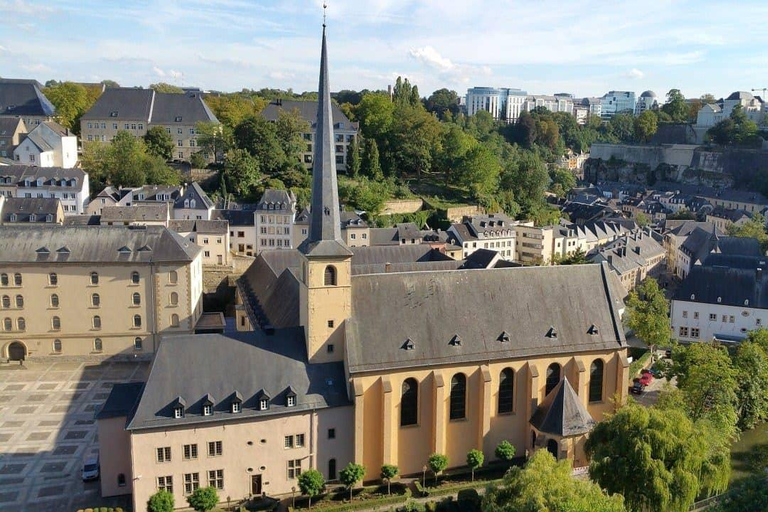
49 218
455 341
32 217
207 410
408 345
178 412
592 330
178 119
291 401
504 337
236 407
14 217
552 333
186 203
264 404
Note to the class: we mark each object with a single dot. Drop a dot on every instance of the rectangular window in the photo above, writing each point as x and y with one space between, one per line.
685 314
330 324
694 332
294 469
695 315
331 433
725 318
164 454
190 451
191 482
731 319
165 483
299 440
758 321
216 478
684 331
288 442
712 317
214 448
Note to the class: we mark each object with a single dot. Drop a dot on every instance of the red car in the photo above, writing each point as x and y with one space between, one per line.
646 378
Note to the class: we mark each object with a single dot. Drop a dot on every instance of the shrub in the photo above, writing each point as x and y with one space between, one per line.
350 475
311 482
203 499
475 459
388 472
505 451
161 501
469 500
437 463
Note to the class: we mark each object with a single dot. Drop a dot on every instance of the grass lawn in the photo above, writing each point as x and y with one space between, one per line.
334 499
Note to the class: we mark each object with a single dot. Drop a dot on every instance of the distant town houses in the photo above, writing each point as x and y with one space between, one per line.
24 99
344 130
30 211
11 131
127 196
633 257
48 145
71 186
138 110
712 113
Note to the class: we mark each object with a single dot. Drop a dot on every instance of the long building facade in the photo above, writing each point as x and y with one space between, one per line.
95 291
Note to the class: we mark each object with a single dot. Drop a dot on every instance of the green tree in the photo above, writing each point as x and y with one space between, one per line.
166 88
159 142
505 451
203 499
388 472
751 365
214 139
623 127
232 109
290 130
259 137
547 485
376 114
370 165
748 495
642 220
562 180
578 257
658 459
161 501
353 159
647 313
413 141
479 171
350 475
442 101
676 107
71 100
737 130
646 125
753 228
311 483
241 172
437 463
475 459
526 176
682 214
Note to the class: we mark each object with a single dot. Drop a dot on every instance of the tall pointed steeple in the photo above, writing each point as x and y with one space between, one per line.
324 227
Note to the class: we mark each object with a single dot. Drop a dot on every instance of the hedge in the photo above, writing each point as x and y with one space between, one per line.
453 489
638 364
364 504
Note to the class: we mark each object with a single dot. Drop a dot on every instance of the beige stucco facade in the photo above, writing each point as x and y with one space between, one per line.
250 450
98 319
379 438
115 445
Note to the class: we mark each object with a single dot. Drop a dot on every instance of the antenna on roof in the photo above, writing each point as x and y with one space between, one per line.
325 6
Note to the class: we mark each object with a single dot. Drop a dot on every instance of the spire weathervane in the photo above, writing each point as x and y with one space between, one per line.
325 7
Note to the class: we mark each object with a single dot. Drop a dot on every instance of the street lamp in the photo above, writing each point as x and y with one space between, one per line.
423 478
293 499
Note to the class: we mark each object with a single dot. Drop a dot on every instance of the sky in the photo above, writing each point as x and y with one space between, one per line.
583 47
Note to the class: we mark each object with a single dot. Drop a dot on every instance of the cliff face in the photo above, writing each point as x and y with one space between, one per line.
684 163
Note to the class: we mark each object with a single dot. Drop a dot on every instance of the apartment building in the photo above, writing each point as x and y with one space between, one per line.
344 130
724 218
503 104
24 99
711 114
274 219
48 145
112 196
633 257
617 102
542 245
30 211
138 110
144 214
95 290
242 230
212 236
193 204
496 232
11 130
69 185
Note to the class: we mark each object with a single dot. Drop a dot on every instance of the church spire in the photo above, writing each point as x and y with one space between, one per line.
325 222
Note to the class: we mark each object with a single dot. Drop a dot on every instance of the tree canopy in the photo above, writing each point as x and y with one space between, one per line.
647 313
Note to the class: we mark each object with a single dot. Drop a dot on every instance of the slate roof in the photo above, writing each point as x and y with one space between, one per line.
194 191
307 110
277 200
23 207
193 367
384 236
135 213
562 413
210 227
188 108
631 251
8 125
89 244
235 217
52 176
24 98
124 103
431 307
729 214
82 220
36 139
737 286
410 253
121 401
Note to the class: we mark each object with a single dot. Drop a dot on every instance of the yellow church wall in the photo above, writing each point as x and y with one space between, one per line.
382 439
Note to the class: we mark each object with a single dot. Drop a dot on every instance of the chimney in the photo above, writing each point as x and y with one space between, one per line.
637 250
610 259
759 273
387 267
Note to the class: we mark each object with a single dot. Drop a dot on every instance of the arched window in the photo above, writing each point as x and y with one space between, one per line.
553 377
8 324
98 345
94 278
97 322
17 279
173 277
329 276
135 277
21 323
95 300
4 279
458 403
174 299
19 301
409 403
57 346
121 480
137 320
56 323
53 279
596 380
137 344
6 301
174 320
506 390
331 469
137 299
54 301
553 448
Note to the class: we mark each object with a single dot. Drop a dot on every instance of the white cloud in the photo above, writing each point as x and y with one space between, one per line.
36 68
430 57
21 7
447 70
634 73
175 74
159 72
280 75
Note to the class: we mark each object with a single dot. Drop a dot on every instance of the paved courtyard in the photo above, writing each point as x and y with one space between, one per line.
47 428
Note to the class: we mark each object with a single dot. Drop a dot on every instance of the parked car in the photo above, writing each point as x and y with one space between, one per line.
91 468
637 387
646 377
668 353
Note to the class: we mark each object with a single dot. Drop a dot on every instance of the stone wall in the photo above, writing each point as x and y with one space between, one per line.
457 213
402 206
219 284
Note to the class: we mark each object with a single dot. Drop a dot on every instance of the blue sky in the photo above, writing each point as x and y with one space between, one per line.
585 47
